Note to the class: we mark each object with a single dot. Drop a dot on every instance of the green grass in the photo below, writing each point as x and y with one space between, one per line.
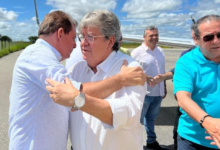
14 46
130 45
134 45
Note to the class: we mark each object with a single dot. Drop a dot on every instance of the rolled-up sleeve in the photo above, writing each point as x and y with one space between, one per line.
126 108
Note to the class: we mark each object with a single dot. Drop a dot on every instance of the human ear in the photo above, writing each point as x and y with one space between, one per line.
195 40
60 33
111 42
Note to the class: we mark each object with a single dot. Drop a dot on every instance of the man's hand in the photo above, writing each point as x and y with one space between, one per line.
157 79
149 80
132 75
212 143
63 94
212 126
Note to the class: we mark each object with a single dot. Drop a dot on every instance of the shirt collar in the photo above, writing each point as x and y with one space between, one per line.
199 57
43 42
145 47
106 64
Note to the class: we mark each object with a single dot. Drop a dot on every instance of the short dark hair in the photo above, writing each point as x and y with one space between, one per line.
206 18
55 20
150 28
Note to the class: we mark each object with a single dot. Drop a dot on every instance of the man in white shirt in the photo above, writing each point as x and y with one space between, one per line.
102 124
151 58
35 121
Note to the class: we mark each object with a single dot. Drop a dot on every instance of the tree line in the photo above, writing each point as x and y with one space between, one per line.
32 39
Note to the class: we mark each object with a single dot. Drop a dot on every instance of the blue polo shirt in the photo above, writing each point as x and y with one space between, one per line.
201 77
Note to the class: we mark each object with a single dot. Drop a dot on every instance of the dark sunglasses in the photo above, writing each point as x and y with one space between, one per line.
210 37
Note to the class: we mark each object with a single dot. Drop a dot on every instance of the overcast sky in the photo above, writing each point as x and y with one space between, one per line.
18 21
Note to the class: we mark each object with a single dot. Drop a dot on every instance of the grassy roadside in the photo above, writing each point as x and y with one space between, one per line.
13 47
16 46
134 45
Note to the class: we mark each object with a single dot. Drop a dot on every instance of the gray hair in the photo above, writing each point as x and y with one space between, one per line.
150 28
207 18
106 21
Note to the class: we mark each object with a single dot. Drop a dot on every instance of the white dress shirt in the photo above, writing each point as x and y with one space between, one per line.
153 63
35 121
88 132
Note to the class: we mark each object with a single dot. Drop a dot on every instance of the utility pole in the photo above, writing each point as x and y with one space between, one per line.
193 20
37 19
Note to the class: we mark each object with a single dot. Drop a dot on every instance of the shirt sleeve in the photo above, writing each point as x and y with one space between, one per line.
182 78
172 70
127 105
127 108
39 69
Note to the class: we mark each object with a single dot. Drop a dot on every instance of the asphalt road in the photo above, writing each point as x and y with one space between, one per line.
164 122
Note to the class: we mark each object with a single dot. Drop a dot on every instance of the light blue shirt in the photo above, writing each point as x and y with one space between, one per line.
200 77
35 121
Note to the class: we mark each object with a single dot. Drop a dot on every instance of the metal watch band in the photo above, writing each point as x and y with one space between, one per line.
74 105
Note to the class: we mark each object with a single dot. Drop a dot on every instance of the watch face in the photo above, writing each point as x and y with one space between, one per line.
80 100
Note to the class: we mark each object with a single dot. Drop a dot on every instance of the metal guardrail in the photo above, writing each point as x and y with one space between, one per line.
6 45
165 41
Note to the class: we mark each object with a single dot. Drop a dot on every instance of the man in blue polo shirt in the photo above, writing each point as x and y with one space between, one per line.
197 87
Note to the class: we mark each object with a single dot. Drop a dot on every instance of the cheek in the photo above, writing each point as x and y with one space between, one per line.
206 46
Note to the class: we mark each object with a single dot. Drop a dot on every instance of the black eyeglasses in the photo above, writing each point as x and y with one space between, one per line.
210 37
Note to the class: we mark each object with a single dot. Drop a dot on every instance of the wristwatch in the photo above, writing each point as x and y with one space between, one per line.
79 101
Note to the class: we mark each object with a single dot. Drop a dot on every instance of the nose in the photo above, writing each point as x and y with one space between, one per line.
84 41
216 39
74 44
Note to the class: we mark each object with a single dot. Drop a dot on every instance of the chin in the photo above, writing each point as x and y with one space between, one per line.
84 57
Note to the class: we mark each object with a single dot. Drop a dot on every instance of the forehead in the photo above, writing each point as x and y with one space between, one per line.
74 29
90 30
149 32
209 27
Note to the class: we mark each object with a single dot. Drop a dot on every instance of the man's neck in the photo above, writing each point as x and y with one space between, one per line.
216 60
152 47
94 69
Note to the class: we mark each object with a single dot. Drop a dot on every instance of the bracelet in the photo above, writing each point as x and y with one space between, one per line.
202 120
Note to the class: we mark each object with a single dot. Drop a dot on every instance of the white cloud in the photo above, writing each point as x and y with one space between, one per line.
143 15
77 9
206 7
217 1
21 24
33 19
167 15
7 15
148 8
169 25
16 31
4 25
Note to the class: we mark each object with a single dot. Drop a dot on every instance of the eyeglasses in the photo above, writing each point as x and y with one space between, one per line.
89 38
210 37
